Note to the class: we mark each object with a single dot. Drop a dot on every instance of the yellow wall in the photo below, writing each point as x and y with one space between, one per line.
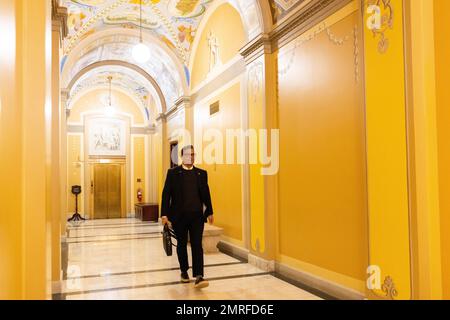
442 39
226 25
256 180
92 102
158 147
322 186
138 169
75 169
224 179
11 219
389 242
25 115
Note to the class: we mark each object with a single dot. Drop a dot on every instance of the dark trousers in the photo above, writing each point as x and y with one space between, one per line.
192 224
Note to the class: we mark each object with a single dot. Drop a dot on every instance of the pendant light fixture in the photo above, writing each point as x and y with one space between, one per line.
141 53
109 107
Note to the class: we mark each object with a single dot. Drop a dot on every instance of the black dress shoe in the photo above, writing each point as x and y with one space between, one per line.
201 283
185 277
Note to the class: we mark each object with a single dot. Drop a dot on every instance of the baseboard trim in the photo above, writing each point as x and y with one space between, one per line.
233 250
330 289
320 287
261 263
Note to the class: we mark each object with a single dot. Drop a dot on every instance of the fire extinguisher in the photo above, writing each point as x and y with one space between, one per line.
139 195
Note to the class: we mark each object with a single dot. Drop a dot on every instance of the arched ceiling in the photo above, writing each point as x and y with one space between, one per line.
131 82
106 47
174 22
106 30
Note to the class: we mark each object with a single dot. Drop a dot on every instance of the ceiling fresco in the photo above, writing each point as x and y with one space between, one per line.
130 82
173 21
103 30
119 48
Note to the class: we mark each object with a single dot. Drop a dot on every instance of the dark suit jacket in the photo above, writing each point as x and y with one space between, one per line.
172 196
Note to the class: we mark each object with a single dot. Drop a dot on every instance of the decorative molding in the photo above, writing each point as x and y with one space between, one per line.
295 276
263 264
233 71
87 25
233 250
74 128
214 51
387 22
303 19
334 39
59 20
161 118
356 52
160 99
260 45
218 74
299 22
255 80
389 289
302 278
183 102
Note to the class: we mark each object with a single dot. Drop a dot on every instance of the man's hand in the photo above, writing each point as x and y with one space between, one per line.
211 219
164 220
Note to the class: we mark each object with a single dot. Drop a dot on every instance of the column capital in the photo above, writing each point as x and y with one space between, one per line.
161 118
260 45
65 94
59 19
183 102
297 22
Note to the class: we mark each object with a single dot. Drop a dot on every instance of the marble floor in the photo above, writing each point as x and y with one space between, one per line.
124 259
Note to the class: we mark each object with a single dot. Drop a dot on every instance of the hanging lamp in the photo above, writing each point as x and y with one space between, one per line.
141 53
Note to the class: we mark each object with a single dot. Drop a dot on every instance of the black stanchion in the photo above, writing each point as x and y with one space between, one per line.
76 190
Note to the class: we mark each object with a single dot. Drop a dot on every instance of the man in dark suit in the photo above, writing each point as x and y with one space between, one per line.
186 204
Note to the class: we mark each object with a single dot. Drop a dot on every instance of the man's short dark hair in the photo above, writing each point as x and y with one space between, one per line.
186 148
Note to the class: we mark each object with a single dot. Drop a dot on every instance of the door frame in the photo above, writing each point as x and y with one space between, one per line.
93 161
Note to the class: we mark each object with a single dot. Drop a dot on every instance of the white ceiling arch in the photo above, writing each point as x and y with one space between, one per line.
124 79
255 15
115 41
149 119
116 44
135 78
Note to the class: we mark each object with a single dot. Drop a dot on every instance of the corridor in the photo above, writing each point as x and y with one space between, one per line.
312 136
124 259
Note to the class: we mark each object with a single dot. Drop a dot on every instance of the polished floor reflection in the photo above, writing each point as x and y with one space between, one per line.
124 259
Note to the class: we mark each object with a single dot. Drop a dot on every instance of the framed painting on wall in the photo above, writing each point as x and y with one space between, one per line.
106 137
